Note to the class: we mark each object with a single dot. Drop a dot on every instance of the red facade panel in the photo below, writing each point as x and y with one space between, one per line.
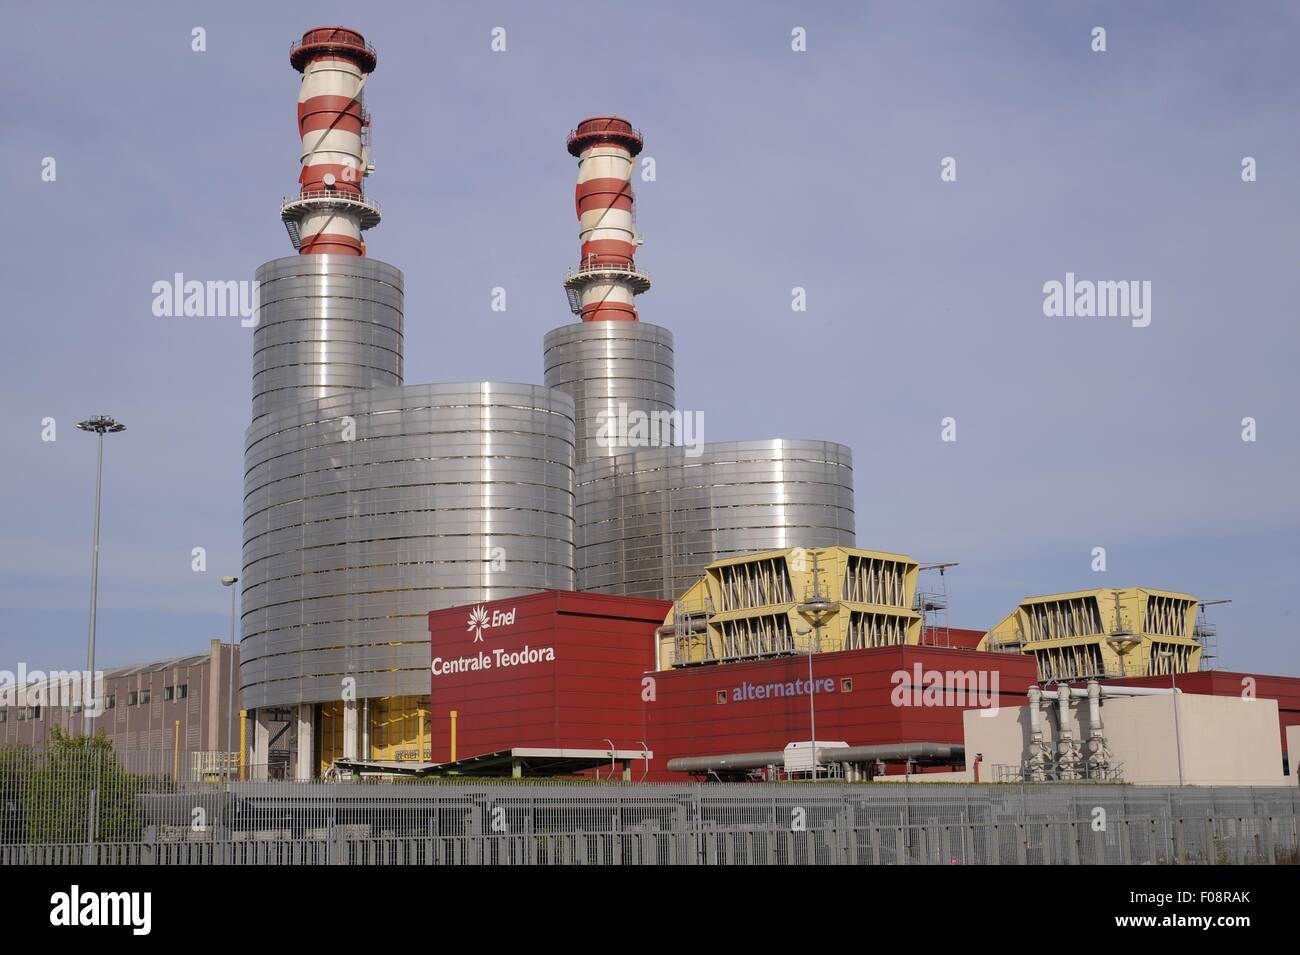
885 695
563 669
559 669
552 669
956 638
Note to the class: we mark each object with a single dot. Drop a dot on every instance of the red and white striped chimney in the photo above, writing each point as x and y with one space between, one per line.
330 211
603 285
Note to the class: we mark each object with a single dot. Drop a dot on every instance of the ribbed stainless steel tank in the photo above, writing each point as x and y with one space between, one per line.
366 510
327 324
650 521
609 366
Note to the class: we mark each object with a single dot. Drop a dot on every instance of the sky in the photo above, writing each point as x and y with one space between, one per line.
774 169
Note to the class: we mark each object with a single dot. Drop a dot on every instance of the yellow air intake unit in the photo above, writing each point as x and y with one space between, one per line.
791 601
1103 633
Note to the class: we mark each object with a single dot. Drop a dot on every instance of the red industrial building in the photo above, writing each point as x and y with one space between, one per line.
554 677
554 670
884 697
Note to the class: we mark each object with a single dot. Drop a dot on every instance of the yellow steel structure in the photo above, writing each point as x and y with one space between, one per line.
788 601
398 729
1107 632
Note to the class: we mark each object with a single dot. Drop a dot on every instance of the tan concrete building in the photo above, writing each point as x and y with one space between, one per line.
1221 741
151 711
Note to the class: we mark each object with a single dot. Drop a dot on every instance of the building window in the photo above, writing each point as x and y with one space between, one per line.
846 685
184 690
132 698
169 692
22 714
144 696
35 713
111 701
4 716
722 696
76 707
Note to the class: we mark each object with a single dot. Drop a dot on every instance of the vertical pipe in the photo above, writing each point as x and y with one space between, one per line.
1178 735
243 742
176 756
453 736
812 710
1065 745
230 684
365 728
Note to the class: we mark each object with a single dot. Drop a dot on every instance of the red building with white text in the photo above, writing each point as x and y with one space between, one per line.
560 672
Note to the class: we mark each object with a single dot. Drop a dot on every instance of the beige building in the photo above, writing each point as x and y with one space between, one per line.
151 711
1223 741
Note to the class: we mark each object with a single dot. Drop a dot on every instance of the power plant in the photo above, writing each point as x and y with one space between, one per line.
485 574
560 621
369 502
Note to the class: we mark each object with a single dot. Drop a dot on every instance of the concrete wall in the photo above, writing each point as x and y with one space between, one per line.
1225 740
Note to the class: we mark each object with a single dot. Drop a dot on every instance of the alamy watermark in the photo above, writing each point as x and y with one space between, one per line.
1083 298
70 688
971 689
181 298
78 907
635 428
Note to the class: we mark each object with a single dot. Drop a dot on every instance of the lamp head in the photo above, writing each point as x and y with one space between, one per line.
101 424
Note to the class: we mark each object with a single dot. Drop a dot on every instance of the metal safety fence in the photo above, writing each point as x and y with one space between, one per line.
90 809
1238 841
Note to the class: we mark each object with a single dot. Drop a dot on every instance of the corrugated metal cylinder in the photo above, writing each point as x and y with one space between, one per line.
650 521
608 364
327 324
366 510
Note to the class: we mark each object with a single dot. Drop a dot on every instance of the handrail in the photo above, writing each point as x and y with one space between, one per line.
587 269
334 195
612 133
366 46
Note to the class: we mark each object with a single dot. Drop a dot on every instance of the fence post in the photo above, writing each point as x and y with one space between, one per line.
92 815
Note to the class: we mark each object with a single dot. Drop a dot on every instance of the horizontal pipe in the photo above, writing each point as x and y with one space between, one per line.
891 751
1106 690
841 754
1137 691
705 764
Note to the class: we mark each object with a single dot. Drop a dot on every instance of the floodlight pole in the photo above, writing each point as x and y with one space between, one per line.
100 425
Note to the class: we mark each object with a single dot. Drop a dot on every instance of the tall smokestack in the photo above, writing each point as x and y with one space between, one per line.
601 288
330 211
330 318
610 363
